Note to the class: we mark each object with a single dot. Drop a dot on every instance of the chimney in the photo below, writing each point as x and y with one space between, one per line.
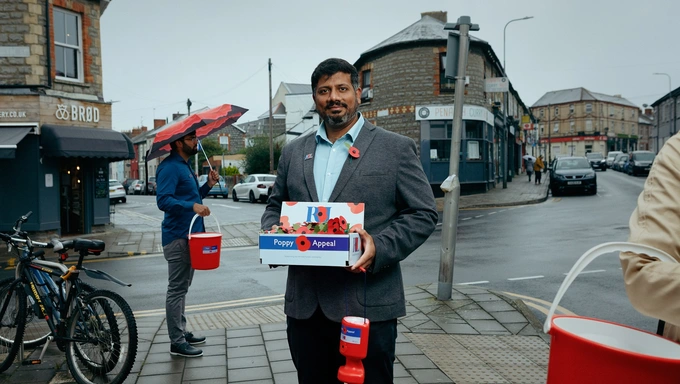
439 15
176 116
144 128
648 111
619 96
157 123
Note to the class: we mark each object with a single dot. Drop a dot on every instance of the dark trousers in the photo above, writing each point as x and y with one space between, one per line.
315 348
538 177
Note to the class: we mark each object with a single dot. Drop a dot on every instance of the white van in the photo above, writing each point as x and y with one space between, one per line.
611 156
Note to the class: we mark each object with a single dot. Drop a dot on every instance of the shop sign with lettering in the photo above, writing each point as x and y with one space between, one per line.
12 114
77 113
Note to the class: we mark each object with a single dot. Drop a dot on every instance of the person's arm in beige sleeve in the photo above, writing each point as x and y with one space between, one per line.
653 287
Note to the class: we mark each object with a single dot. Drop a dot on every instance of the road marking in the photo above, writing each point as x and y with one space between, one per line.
546 304
502 210
593 271
556 199
216 305
466 218
492 213
526 278
477 217
473 282
227 206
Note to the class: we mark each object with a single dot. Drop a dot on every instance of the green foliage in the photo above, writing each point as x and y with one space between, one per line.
257 155
230 171
211 148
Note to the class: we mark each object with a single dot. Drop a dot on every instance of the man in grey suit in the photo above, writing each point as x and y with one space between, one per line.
382 171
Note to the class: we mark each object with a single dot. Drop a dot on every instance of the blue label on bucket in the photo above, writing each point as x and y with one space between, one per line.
209 249
351 335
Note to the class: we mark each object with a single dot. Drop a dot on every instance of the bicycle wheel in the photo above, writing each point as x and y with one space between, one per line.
12 323
105 334
37 330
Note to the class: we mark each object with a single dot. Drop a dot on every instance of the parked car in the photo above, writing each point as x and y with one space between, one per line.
116 192
151 186
640 163
136 187
597 161
619 161
572 173
611 156
256 186
219 189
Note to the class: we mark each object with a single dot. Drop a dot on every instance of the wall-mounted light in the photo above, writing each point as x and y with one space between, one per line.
78 181
69 172
78 167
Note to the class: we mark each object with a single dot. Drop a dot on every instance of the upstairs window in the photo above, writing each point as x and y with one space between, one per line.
68 45
557 111
589 108
366 90
445 85
571 108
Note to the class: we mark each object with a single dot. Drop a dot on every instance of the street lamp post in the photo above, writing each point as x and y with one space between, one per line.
505 114
671 128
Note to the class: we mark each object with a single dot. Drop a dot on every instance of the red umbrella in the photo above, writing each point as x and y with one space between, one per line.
203 123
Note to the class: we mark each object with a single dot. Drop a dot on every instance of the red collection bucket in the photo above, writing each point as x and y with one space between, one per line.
585 350
205 247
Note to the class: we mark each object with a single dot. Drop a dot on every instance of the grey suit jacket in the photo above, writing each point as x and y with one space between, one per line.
400 215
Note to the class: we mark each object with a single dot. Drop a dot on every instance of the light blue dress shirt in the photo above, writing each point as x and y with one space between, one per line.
330 157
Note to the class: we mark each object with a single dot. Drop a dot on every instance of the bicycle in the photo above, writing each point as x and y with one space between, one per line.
96 329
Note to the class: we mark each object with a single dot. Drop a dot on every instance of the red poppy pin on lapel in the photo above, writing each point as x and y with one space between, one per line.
354 152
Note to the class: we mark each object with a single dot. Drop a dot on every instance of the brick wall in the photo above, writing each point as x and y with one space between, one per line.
23 24
405 77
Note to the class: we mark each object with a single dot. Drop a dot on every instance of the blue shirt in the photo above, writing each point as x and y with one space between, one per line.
176 193
330 157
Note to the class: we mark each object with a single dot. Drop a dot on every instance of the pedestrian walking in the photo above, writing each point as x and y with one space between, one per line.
538 168
529 167
652 285
179 196
383 171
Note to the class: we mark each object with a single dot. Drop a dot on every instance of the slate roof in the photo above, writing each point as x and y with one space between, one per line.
298 89
426 29
579 94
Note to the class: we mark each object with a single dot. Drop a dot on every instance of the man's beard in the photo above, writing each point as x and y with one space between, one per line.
336 121
189 150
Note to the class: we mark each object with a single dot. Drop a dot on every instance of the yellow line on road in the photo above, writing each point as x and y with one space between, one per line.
544 308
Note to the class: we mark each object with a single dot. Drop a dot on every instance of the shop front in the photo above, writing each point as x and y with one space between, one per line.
54 156
575 145
478 150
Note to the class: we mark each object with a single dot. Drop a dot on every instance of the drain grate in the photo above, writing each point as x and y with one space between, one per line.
238 242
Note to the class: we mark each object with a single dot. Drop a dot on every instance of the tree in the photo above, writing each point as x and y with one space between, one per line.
230 171
257 155
211 148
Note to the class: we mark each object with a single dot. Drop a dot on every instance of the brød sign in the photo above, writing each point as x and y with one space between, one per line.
77 113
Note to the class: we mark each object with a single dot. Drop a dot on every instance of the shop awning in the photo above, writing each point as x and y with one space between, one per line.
64 141
9 138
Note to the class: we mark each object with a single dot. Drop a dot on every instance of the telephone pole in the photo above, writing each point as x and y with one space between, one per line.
271 123
457 49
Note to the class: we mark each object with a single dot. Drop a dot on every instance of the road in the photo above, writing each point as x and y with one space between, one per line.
524 250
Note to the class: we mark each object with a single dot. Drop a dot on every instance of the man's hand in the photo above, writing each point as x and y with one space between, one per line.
201 210
213 178
367 257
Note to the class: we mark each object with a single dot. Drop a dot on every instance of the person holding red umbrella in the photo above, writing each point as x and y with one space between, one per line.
179 196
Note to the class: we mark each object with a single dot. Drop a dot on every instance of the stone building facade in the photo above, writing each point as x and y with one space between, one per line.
577 121
54 122
404 90
666 115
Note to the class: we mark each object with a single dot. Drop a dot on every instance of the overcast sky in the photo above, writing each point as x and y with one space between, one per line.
158 53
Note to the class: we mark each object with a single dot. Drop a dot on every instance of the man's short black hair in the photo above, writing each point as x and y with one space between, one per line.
330 67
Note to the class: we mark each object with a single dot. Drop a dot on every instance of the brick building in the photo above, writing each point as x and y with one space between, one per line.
404 90
56 139
577 121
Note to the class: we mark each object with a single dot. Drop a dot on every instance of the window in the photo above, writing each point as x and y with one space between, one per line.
589 108
571 108
366 90
557 111
556 128
474 129
589 125
572 126
541 112
445 85
68 45
473 150
632 129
